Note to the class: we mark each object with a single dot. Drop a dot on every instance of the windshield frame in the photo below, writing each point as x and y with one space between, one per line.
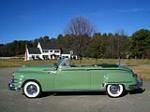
64 62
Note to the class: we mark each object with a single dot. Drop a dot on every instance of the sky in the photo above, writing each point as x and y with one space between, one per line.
30 19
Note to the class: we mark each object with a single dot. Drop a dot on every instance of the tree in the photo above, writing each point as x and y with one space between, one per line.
140 42
44 39
81 29
97 47
80 26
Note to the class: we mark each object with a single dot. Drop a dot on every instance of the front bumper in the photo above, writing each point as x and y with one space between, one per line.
12 85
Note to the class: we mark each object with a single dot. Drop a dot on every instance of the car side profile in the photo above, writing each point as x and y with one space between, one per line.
113 79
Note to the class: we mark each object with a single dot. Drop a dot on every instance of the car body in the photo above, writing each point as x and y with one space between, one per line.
113 79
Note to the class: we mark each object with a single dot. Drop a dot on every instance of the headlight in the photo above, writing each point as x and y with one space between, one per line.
14 78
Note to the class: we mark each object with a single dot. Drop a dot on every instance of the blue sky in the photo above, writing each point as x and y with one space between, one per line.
30 19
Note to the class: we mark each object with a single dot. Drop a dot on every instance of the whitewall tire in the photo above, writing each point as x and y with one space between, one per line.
31 89
115 90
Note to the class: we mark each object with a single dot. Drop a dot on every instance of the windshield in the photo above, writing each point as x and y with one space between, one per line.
63 62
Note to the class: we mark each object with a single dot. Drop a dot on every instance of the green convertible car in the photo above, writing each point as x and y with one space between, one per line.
114 79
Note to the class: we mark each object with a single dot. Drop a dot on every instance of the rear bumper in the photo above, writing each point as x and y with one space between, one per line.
137 86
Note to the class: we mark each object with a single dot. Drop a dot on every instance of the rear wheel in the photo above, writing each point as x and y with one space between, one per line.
31 89
115 90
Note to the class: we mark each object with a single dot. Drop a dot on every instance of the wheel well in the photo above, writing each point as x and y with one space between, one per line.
115 84
33 80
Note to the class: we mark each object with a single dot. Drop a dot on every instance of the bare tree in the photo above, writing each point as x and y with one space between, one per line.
121 44
80 26
81 29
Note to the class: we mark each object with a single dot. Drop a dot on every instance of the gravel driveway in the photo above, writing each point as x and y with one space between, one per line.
11 101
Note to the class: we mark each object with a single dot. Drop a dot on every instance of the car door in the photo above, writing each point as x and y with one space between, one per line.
47 79
97 79
72 79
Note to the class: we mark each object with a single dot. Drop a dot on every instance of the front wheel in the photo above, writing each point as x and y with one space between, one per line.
115 90
31 89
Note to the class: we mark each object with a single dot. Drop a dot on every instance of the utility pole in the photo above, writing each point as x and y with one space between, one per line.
25 56
118 44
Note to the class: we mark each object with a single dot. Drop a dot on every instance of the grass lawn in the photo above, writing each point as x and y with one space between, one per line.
141 67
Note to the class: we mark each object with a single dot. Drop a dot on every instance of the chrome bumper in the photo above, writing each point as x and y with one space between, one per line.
11 85
137 86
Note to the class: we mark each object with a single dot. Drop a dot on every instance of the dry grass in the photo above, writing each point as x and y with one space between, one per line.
135 62
142 71
21 62
95 61
130 62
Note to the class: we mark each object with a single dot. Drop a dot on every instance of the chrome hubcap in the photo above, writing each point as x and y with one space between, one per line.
31 89
114 89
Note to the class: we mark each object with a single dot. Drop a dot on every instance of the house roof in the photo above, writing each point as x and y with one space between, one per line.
47 46
33 50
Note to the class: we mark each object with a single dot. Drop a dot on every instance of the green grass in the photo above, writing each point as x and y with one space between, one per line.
141 67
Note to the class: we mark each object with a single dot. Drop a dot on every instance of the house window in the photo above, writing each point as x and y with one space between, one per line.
65 56
57 51
51 50
45 51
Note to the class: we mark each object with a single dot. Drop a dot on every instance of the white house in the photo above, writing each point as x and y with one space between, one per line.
69 54
44 51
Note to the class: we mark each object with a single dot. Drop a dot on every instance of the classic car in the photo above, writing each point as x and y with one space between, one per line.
113 79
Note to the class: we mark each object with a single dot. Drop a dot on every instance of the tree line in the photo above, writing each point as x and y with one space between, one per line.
81 37
107 45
